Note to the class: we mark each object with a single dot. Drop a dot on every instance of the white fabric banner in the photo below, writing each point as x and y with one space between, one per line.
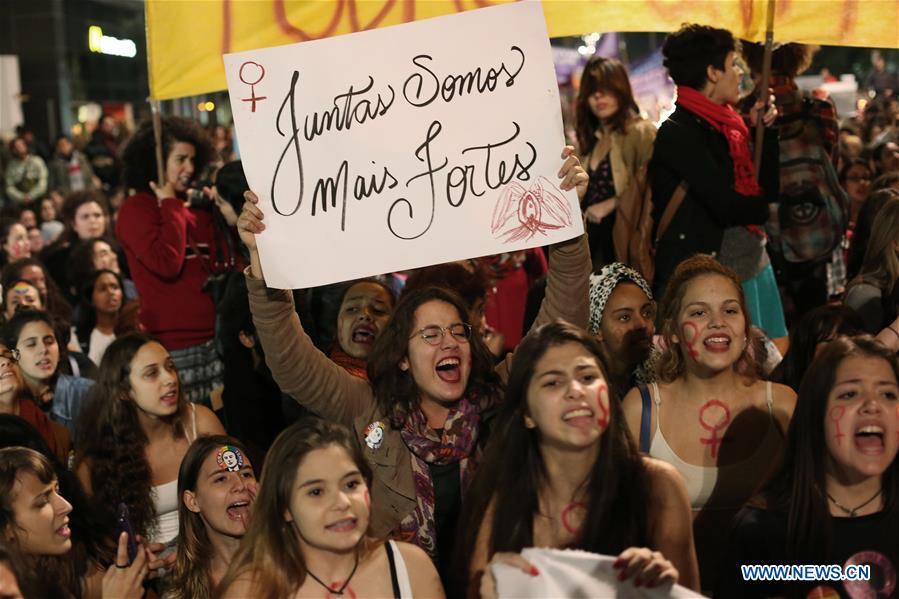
403 147
573 573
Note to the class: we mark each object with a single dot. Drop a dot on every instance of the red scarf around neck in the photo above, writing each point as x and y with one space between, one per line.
724 119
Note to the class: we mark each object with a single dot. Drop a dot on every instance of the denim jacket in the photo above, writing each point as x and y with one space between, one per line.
69 397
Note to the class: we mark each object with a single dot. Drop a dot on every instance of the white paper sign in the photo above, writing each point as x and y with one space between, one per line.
403 147
573 573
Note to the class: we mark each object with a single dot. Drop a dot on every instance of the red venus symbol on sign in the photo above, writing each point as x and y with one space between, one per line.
254 68
714 440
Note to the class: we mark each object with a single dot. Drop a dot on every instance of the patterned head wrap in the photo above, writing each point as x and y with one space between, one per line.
602 285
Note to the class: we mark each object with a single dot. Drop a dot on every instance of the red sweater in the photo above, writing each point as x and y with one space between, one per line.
169 277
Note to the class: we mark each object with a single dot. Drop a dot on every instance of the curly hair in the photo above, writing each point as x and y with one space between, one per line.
139 155
113 442
691 49
672 364
395 389
789 60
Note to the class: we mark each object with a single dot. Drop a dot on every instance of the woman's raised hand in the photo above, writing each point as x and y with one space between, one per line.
123 580
646 567
572 173
249 223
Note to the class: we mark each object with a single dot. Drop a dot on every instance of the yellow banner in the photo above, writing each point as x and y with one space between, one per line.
186 38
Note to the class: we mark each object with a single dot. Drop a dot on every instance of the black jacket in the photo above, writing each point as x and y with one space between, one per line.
688 149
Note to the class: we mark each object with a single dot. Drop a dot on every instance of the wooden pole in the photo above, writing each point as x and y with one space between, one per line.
763 85
154 103
157 137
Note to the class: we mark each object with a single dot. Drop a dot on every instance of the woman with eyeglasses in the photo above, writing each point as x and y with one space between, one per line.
423 414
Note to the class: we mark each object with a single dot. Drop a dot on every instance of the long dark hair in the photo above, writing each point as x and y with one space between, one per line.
512 471
87 315
799 485
821 324
113 442
609 76
53 300
270 551
395 389
46 575
190 574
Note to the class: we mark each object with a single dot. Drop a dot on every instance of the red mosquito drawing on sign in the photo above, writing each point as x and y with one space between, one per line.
521 213
254 68
713 428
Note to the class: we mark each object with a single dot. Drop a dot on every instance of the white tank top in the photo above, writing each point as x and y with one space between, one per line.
165 498
702 481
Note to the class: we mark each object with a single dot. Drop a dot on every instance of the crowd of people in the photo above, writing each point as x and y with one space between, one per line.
172 427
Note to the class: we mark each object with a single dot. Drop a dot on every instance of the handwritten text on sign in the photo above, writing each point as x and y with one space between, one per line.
403 147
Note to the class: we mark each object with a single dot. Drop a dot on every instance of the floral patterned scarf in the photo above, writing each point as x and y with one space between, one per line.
457 444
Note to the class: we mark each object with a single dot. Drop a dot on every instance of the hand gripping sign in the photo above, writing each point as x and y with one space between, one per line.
402 147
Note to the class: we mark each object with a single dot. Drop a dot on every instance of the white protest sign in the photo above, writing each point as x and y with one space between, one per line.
403 147
575 573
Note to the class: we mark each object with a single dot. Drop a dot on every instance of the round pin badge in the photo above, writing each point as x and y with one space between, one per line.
374 434
229 458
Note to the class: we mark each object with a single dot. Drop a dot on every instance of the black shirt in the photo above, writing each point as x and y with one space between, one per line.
759 537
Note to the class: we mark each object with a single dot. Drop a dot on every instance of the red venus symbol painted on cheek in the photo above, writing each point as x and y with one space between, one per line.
255 70
577 505
714 441
691 338
603 420
835 415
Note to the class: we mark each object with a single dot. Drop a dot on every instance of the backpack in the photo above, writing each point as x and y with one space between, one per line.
810 217
632 232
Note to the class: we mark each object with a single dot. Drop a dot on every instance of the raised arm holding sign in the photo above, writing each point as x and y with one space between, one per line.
427 369
416 150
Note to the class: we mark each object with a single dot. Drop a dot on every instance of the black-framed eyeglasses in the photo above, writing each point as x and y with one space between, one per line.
859 178
10 354
433 335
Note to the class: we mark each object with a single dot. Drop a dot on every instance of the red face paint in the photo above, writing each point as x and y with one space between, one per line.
577 505
603 420
714 441
692 338
835 415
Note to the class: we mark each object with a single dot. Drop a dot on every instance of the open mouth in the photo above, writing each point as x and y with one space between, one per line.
239 510
64 530
170 398
45 365
580 417
869 440
345 525
364 334
717 343
449 370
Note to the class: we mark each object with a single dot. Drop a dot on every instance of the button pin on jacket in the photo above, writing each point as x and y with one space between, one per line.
374 434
